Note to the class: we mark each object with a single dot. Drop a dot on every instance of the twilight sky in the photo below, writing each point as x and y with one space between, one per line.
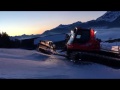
36 22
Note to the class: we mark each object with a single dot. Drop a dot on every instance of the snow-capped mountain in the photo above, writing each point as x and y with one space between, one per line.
22 37
111 19
109 16
115 23
62 28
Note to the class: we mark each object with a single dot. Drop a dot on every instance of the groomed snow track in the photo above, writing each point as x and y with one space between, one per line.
108 58
103 57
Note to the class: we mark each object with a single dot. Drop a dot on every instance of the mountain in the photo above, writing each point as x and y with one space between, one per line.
62 28
22 37
115 23
109 16
110 19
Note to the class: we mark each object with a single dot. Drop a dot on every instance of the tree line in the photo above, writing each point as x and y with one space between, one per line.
5 42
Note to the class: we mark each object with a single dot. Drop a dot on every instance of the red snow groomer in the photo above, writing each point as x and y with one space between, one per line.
82 44
83 40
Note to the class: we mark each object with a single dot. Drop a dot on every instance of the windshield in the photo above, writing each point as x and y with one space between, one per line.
82 37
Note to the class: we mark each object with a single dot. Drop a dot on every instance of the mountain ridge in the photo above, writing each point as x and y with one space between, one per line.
110 19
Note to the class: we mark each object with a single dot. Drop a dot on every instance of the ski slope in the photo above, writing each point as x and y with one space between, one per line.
108 34
54 38
30 64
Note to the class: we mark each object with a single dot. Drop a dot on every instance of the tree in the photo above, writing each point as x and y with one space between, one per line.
4 40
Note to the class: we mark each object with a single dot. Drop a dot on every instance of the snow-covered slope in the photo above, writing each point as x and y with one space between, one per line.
26 64
115 46
54 38
108 34
109 16
22 37
62 28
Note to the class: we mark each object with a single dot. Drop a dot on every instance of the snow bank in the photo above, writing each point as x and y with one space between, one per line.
26 64
115 46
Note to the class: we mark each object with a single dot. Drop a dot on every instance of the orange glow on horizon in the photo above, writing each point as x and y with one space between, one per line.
26 30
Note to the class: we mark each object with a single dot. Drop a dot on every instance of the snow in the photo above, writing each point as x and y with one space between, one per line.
107 34
30 64
115 46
